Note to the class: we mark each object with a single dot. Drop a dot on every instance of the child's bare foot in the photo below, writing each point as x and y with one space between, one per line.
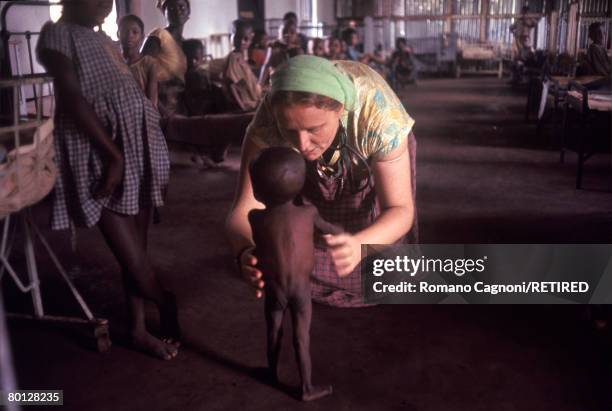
315 392
145 342
169 324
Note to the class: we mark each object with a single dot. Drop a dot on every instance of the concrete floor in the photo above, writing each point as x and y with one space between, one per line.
484 176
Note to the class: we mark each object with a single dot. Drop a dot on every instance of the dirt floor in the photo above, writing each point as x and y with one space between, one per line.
484 176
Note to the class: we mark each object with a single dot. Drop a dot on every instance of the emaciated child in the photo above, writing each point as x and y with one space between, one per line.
284 246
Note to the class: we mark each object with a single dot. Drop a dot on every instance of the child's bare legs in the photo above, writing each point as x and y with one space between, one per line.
301 314
124 237
274 322
170 329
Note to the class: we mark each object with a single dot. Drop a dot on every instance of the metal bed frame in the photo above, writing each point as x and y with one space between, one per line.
97 327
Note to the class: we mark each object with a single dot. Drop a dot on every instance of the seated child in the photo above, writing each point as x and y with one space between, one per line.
258 51
194 52
597 56
143 68
284 246
402 64
242 86
198 96
318 47
335 49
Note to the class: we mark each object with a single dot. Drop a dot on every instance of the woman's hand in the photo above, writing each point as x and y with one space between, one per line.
247 268
345 251
113 177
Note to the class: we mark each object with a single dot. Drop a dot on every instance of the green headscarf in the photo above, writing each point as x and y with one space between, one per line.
315 75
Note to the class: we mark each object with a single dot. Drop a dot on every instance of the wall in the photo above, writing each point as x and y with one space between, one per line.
325 12
207 17
275 9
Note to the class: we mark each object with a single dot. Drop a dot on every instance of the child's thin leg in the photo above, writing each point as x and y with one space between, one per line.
124 239
168 313
301 315
135 302
274 321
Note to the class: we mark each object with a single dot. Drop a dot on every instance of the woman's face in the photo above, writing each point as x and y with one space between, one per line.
130 35
177 12
309 129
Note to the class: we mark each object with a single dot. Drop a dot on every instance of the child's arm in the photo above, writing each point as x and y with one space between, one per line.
152 84
152 46
324 226
70 99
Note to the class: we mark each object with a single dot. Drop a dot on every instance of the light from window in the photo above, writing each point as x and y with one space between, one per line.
109 26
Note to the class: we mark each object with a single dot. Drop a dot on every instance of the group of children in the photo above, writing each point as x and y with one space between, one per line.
401 66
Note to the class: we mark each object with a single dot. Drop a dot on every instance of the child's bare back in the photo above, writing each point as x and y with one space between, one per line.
285 248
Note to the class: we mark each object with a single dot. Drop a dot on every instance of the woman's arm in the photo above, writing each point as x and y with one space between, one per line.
237 225
71 99
394 193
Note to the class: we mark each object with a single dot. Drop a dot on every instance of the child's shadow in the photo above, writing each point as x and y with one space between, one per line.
259 374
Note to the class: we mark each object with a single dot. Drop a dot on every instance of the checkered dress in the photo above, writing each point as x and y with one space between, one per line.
340 204
129 118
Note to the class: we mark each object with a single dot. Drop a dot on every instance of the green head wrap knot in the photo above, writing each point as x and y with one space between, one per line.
315 75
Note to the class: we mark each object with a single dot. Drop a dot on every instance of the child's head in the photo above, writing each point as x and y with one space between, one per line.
278 175
242 35
401 44
350 37
87 12
194 51
289 33
260 39
290 17
335 46
131 32
318 47
595 33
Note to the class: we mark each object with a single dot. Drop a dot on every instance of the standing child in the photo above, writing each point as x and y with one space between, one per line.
112 157
284 247
143 68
